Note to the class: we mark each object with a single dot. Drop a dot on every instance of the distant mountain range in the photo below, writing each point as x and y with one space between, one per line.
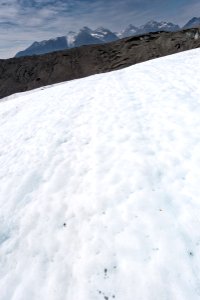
87 36
151 26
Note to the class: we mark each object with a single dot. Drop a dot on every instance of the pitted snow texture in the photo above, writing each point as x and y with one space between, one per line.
99 186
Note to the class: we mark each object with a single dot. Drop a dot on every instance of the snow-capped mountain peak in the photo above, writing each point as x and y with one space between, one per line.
104 34
129 31
71 37
153 26
87 36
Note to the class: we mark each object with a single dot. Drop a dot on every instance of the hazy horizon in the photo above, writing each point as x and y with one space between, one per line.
24 22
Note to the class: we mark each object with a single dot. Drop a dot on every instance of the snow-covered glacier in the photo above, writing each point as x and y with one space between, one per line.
100 186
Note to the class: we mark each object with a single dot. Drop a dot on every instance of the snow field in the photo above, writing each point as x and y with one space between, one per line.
99 186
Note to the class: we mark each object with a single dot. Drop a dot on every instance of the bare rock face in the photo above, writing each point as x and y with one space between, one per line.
26 73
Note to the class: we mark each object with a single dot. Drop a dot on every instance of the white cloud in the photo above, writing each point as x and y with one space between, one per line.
43 19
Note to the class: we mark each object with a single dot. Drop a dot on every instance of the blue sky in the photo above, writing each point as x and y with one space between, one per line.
24 21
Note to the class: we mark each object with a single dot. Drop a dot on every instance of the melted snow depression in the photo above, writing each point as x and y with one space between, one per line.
100 186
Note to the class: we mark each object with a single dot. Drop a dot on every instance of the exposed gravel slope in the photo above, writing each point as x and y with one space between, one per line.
26 73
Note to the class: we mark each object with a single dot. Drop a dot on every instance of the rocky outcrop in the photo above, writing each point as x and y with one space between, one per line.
26 73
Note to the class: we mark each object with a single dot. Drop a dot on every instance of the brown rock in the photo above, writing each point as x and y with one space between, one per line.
26 73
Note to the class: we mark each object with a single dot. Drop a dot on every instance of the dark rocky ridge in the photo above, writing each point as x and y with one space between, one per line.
26 73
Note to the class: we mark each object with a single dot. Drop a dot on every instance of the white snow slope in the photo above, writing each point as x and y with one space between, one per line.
100 186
